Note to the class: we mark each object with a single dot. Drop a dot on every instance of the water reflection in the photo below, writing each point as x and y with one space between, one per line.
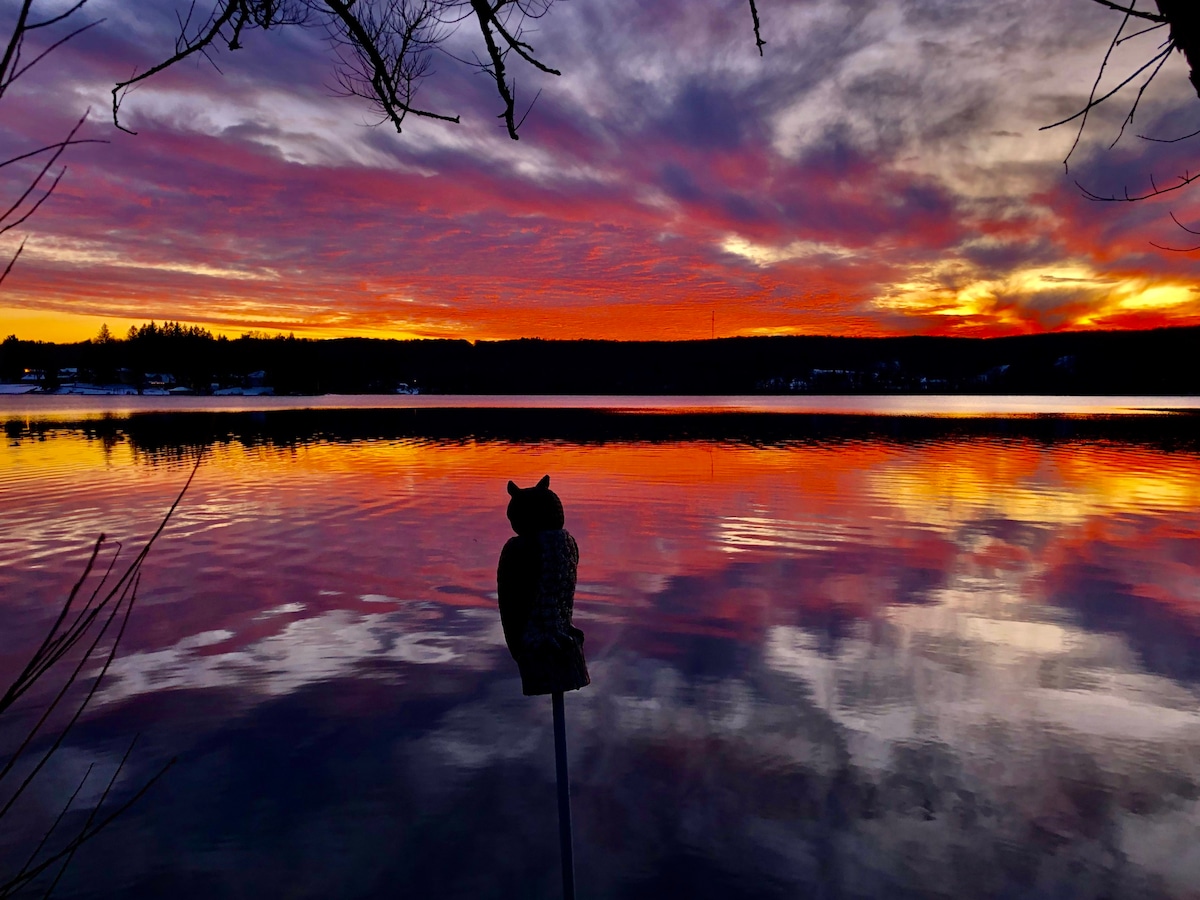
867 658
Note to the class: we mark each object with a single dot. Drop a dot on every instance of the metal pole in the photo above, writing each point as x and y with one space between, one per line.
564 799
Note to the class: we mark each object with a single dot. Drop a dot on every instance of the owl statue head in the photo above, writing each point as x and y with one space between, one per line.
534 509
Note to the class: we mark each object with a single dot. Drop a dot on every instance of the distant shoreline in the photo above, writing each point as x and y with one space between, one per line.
1076 364
60 407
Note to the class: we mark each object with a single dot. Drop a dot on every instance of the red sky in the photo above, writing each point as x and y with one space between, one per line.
878 171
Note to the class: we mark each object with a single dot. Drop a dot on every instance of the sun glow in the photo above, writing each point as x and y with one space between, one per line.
1063 296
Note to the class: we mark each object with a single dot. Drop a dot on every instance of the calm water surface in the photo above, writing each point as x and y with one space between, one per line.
832 655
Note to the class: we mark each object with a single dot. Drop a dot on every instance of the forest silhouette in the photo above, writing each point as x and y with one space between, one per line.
1129 362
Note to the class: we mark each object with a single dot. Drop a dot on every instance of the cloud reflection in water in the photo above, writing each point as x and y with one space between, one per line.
879 667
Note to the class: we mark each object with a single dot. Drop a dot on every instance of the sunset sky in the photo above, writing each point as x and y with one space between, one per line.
878 171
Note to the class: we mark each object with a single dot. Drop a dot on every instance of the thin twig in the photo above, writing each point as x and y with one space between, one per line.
1153 17
1155 191
57 821
14 884
1095 103
12 262
758 41
1092 94
1170 140
1136 100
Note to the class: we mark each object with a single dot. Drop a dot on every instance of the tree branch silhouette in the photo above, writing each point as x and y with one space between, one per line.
1182 18
40 185
97 625
383 48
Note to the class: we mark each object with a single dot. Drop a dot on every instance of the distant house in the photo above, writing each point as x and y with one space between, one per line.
256 379
33 376
994 374
97 390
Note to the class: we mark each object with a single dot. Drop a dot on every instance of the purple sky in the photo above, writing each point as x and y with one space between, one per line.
878 171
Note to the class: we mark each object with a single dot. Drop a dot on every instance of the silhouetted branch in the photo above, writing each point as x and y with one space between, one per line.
84 836
390 50
483 12
1096 102
1181 225
1155 191
1138 99
7 222
1092 94
758 41
1175 219
1130 11
1137 34
1159 246
184 47
383 46
10 63
12 262
61 17
1185 137
1184 23
53 827
12 68
107 609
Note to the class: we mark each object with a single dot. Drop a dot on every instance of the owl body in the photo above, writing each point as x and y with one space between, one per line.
536 590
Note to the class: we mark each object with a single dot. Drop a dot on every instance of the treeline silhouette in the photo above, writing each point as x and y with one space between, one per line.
1144 362
177 437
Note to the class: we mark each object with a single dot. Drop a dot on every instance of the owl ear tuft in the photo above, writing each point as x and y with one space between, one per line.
544 483
513 490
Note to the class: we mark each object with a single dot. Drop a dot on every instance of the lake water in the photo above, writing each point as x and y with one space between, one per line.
839 647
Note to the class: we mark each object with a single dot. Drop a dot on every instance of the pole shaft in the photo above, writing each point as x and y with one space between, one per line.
564 798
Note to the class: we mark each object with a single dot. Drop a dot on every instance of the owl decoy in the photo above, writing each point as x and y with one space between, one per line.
536 589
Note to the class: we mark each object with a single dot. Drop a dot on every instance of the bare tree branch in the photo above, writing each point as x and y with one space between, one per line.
12 68
390 54
10 63
1181 225
1128 120
758 41
83 837
1155 191
61 17
12 50
1092 94
189 47
12 262
1129 10
14 216
108 605
17 73
483 12
384 47
1092 104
